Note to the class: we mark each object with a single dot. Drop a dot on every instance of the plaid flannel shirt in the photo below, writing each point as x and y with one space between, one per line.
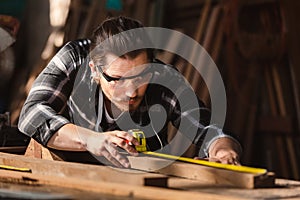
63 93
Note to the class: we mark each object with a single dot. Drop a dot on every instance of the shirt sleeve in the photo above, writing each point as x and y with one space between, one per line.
194 123
41 115
193 119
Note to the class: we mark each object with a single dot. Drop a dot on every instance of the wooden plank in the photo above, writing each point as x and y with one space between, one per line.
198 35
204 174
83 171
208 175
282 159
181 189
117 189
36 150
173 43
283 112
284 189
207 45
296 95
291 13
13 149
96 7
141 8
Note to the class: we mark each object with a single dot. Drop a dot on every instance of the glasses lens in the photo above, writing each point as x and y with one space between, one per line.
138 81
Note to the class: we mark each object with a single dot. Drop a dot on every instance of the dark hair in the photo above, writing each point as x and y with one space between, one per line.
123 40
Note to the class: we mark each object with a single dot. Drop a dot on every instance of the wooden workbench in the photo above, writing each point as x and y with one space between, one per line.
83 181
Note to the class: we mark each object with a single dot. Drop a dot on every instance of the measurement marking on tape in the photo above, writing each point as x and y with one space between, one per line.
238 168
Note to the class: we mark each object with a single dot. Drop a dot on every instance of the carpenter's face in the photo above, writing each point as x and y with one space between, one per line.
124 80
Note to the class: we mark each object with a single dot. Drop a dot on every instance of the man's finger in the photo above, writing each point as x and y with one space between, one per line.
111 159
127 137
124 144
115 157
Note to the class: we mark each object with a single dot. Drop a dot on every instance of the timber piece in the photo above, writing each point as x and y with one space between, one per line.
36 150
205 174
93 10
83 171
207 45
281 155
283 112
117 189
295 87
174 44
198 35
13 149
33 150
285 189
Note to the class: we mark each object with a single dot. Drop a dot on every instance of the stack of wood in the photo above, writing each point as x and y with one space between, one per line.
248 42
261 77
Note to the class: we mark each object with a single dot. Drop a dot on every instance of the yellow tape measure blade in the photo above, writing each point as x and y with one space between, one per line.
20 169
244 169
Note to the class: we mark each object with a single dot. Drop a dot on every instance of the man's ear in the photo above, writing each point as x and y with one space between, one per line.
92 66
94 74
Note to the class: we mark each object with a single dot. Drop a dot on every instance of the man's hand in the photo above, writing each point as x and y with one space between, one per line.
225 156
105 144
75 138
225 150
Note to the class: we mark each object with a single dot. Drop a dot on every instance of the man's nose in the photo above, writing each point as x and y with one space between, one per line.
131 90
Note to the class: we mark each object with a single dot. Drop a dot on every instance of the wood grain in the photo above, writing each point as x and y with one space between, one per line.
204 174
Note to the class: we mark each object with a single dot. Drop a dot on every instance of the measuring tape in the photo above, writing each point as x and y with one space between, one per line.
237 168
140 136
19 169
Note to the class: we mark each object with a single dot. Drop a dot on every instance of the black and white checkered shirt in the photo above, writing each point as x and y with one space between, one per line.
64 93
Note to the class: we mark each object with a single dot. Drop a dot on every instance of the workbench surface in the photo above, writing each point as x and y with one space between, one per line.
65 180
285 189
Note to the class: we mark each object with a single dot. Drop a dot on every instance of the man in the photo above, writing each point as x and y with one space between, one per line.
92 92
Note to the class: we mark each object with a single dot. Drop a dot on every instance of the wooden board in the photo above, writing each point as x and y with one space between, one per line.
181 189
83 171
283 189
208 175
9 190
84 178
117 189
205 175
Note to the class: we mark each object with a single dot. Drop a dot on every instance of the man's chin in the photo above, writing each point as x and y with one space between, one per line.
126 106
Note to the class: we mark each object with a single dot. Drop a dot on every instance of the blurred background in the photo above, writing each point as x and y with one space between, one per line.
255 44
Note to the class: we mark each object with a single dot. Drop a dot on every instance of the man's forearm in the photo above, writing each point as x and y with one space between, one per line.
70 138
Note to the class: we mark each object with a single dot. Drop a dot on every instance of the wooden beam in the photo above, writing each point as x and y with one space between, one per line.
83 171
208 175
13 149
100 186
36 150
198 36
203 174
